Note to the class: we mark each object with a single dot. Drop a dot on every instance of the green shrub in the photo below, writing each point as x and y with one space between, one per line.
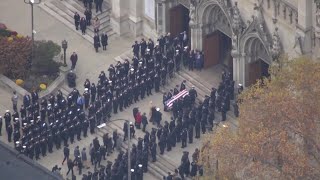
5 33
43 62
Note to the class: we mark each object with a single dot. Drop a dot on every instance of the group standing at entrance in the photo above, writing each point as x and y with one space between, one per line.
86 21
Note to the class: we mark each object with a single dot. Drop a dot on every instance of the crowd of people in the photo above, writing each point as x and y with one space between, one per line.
86 21
57 119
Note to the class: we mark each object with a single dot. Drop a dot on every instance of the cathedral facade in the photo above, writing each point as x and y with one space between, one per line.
246 36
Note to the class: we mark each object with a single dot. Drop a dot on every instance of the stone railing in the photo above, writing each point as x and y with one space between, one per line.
12 86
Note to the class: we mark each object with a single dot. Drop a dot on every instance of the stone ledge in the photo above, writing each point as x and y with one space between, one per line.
8 83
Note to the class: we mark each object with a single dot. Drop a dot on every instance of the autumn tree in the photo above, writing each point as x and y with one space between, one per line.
14 54
278 136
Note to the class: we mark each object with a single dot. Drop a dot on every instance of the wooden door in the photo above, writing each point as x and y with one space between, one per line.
211 49
254 72
176 20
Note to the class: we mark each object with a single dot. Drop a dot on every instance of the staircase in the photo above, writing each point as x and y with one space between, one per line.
193 79
64 10
157 169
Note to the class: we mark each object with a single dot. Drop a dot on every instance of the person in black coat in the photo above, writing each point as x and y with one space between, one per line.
70 166
136 48
76 18
83 25
104 41
144 121
9 131
26 100
96 42
88 15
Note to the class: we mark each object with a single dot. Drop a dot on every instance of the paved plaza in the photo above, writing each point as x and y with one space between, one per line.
89 66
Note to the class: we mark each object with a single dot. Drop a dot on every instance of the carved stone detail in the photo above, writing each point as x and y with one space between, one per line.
276 45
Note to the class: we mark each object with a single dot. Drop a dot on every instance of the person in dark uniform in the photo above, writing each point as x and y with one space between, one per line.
83 25
85 126
92 121
66 153
115 105
184 136
37 149
70 166
183 85
197 129
88 14
144 121
190 133
71 132
76 18
9 132
43 145
154 152
175 90
93 91
143 47
78 128
96 42
86 96
104 40
162 143
50 142
157 82
136 49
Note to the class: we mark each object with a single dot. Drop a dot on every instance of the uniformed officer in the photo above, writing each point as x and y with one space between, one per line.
190 133
85 126
86 96
197 129
136 49
162 143
183 85
115 105
43 145
154 152
184 136
157 81
50 142
9 132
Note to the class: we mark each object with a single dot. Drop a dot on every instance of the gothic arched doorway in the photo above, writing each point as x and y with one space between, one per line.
257 61
216 33
179 20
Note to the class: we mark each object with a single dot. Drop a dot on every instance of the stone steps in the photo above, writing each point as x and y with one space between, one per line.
152 169
165 163
64 12
202 87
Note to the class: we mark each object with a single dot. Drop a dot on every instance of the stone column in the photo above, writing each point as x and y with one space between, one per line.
199 36
305 25
136 10
193 35
242 70
236 66
165 16
118 16
160 20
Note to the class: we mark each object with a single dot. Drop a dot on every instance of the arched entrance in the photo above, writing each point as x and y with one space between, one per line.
179 20
216 41
258 61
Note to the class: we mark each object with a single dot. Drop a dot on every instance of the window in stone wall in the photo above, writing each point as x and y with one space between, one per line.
284 12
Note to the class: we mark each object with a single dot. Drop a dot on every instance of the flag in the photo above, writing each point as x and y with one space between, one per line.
174 98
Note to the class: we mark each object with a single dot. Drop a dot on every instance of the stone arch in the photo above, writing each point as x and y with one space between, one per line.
212 13
253 45
256 58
